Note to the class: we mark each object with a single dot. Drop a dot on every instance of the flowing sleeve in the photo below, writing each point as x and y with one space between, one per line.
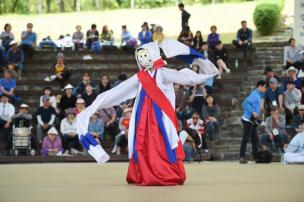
124 91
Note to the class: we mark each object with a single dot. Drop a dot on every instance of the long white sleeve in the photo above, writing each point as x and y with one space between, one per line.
124 91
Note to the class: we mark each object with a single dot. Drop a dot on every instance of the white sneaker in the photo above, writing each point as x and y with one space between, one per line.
114 150
66 153
74 151
47 79
219 77
228 71
33 152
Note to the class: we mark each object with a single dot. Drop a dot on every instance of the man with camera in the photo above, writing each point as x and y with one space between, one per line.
252 108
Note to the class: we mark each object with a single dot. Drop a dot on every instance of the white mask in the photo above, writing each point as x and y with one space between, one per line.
144 58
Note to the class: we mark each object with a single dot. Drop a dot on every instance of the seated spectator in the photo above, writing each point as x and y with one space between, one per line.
89 95
188 142
121 138
208 53
47 42
104 84
67 42
92 35
80 88
221 58
198 125
46 116
179 100
208 85
158 35
78 38
62 74
96 127
211 115
293 55
292 76
108 116
49 92
15 59
127 40
186 36
198 94
106 37
7 36
243 38
68 129
52 145
197 41
7 111
68 100
80 105
213 37
275 130
28 40
269 73
273 97
22 125
292 101
121 78
2 60
8 86
145 36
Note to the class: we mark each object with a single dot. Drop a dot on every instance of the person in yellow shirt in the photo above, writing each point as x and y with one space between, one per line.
158 34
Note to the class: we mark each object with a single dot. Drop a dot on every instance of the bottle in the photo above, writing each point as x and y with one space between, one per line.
236 63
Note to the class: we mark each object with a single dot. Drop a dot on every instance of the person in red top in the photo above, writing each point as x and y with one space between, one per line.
122 137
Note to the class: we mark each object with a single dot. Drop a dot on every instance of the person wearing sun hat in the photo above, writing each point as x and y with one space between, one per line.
292 75
80 105
68 130
51 145
15 58
68 100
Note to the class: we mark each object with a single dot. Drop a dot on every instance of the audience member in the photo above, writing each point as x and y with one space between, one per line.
251 108
7 110
213 37
185 16
294 55
186 36
104 83
28 40
7 36
275 130
78 38
211 114
243 38
47 42
269 73
106 36
292 101
198 94
2 60
145 36
292 76
92 35
48 92
89 95
52 145
68 129
46 116
221 58
108 116
68 100
179 100
158 35
80 105
80 88
15 59
8 86
273 98
127 40
96 127
197 41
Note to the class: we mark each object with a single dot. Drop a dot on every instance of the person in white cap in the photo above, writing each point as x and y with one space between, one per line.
292 75
80 105
15 58
68 100
52 145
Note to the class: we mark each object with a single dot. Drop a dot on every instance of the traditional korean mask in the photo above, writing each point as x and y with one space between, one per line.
144 58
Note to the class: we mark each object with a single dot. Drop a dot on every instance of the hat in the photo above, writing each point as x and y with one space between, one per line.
127 110
45 97
273 80
60 55
267 69
23 105
70 111
53 131
13 42
80 101
292 68
68 86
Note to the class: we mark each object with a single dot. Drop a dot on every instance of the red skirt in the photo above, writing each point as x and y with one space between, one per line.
152 167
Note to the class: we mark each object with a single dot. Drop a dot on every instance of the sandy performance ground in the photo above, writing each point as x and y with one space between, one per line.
215 182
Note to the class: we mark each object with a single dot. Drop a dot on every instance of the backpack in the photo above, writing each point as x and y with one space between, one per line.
264 157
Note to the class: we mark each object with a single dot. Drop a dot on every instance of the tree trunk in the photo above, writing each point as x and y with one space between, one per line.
48 6
39 6
97 4
132 3
78 5
14 6
60 4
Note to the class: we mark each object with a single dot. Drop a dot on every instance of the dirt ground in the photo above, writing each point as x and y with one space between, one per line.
214 182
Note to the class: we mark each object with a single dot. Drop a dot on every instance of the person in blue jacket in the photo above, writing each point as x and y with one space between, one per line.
145 36
252 108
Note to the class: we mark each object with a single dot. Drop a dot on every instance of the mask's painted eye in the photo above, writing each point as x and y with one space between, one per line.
145 55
